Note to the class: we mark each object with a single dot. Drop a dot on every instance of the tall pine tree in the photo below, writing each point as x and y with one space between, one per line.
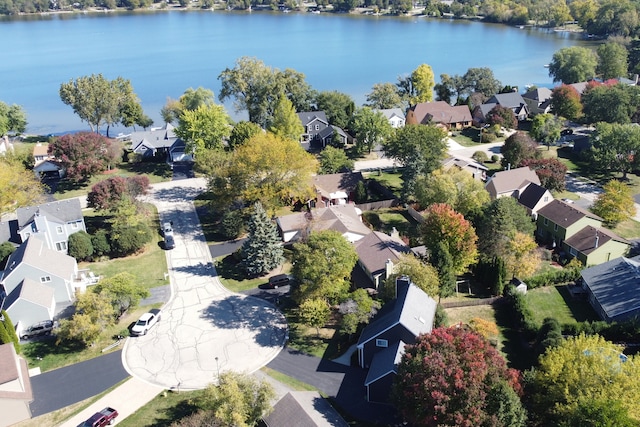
262 251
8 331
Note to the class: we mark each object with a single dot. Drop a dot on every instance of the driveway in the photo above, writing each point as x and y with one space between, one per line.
205 328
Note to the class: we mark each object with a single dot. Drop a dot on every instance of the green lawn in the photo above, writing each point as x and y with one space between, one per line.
629 229
163 410
391 180
556 302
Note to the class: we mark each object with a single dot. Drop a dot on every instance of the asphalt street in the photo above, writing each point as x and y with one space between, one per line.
62 387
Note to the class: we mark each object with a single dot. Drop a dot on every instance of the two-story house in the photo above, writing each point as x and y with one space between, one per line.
534 197
161 143
52 222
395 116
511 183
538 100
377 254
511 100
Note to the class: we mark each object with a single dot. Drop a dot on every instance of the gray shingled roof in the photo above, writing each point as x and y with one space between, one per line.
585 240
376 248
413 309
508 100
532 195
385 362
388 113
32 291
615 285
62 211
304 409
540 94
334 182
341 218
34 252
565 214
155 138
511 180
309 116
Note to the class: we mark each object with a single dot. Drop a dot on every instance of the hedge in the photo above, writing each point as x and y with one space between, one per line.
553 277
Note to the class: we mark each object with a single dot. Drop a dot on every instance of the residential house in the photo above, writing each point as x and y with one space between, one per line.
440 112
160 143
34 261
44 165
317 130
335 188
534 197
579 87
52 222
40 153
477 169
377 254
346 219
303 409
31 302
538 100
382 342
512 100
395 116
511 183
593 246
613 288
558 221
15 387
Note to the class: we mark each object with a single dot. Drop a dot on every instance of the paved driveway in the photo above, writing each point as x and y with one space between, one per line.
205 329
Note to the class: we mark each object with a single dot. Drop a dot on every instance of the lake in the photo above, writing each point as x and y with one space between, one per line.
165 52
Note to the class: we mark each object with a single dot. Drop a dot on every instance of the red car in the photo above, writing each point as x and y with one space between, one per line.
105 417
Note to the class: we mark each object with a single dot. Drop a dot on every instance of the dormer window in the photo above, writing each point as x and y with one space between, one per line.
59 229
45 279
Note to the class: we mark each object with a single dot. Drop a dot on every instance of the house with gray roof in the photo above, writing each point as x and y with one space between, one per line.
377 254
316 129
538 100
440 112
613 288
534 197
303 409
381 343
345 219
395 117
511 183
31 302
160 143
477 169
511 100
52 222
15 387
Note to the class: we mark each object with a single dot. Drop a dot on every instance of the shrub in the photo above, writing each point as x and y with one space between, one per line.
6 249
520 311
480 156
441 318
554 277
100 243
495 158
127 240
232 224
489 137
80 246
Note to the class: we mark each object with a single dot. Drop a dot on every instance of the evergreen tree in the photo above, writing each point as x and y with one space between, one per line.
262 252
443 263
4 335
10 331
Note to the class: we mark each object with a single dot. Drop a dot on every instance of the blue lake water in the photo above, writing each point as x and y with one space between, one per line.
164 53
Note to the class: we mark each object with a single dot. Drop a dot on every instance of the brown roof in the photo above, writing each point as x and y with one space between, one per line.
440 112
8 363
585 240
511 180
565 214
40 150
304 409
331 183
376 248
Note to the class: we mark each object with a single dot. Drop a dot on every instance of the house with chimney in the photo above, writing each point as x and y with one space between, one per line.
511 182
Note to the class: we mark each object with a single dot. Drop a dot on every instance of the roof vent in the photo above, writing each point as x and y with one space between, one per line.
421 320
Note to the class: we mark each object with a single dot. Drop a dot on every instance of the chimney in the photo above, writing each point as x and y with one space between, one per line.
597 238
395 234
388 269
508 166
402 281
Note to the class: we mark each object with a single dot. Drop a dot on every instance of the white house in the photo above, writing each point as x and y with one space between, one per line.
395 116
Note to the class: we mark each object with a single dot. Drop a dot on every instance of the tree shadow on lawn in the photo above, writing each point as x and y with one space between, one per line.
230 268
581 310
160 169
515 346
47 346
166 417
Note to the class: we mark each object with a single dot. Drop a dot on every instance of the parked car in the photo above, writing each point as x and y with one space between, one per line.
146 322
41 328
105 417
278 280
169 241
167 229
565 132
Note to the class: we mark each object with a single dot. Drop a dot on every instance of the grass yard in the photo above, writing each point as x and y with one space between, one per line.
163 410
464 315
629 229
391 180
233 277
556 302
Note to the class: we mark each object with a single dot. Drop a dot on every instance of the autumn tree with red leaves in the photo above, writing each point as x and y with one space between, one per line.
84 154
444 225
108 194
552 172
565 102
455 377
502 116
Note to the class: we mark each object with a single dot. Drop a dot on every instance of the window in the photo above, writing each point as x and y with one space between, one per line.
555 227
61 246
546 221
317 127
45 279
59 229
573 251
382 343
74 225
310 129
546 198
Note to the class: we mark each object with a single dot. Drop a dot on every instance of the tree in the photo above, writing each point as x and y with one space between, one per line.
92 315
339 107
456 187
517 148
502 116
615 147
384 96
203 128
422 275
314 312
599 413
285 122
268 169
418 87
614 18
443 224
565 102
442 261
546 128
356 310
583 11
80 246
521 259
238 400
447 378
242 132
171 110
18 186
10 330
132 114
370 128
612 61
107 194
500 221
573 64
199 419
123 291
549 335
322 265
334 160
419 149
551 172
615 204
610 103
192 98
12 119
580 370
6 249
262 251
128 239
480 80
82 155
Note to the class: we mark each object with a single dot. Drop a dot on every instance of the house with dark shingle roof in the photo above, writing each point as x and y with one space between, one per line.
162 143
538 100
15 387
511 183
558 221
335 188
318 132
377 254
511 100
534 197
381 343
613 288
303 409
594 246
440 112
52 222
